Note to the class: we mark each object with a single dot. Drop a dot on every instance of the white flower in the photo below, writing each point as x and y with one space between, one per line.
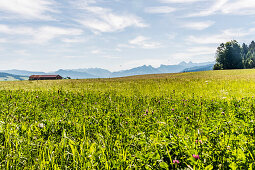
41 125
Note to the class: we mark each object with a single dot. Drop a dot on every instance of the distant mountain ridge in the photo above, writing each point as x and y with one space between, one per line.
199 68
7 77
103 73
73 74
22 72
97 72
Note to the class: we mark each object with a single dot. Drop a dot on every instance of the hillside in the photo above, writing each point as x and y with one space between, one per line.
177 80
11 77
200 119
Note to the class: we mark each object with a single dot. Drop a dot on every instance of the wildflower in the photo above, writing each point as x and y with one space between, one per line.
147 111
228 147
172 109
200 141
145 114
41 125
176 161
223 113
195 156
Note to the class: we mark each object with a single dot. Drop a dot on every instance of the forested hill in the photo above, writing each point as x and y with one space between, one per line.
231 55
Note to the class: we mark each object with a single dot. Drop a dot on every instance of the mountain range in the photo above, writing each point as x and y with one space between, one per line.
9 77
103 73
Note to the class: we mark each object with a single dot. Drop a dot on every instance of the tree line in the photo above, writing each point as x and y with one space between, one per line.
231 55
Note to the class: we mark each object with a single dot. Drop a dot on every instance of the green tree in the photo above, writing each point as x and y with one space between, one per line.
252 47
245 50
249 58
228 56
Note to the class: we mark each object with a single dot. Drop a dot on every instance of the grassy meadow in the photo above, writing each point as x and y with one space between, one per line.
202 120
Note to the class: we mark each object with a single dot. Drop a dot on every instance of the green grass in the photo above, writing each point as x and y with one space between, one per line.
139 122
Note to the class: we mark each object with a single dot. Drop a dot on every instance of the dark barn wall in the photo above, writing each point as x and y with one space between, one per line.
45 77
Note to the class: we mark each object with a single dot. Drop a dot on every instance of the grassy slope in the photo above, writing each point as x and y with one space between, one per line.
134 122
210 84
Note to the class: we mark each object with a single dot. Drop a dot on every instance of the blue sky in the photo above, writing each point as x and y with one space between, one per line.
47 35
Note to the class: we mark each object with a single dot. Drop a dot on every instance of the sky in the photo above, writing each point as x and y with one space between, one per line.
47 35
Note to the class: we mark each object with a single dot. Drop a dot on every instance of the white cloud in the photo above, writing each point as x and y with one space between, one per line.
213 39
29 9
240 7
198 25
160 10
171 36
17 30
196 51
22 53
96 51
2 40
47 33
198 54
225 36
125 46
218 5
73 56
81 3
233 7
180 1
73 40
111 57
144 42
41 34
100 19
202 50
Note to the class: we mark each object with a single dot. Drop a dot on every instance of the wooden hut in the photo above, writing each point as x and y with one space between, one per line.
45 77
